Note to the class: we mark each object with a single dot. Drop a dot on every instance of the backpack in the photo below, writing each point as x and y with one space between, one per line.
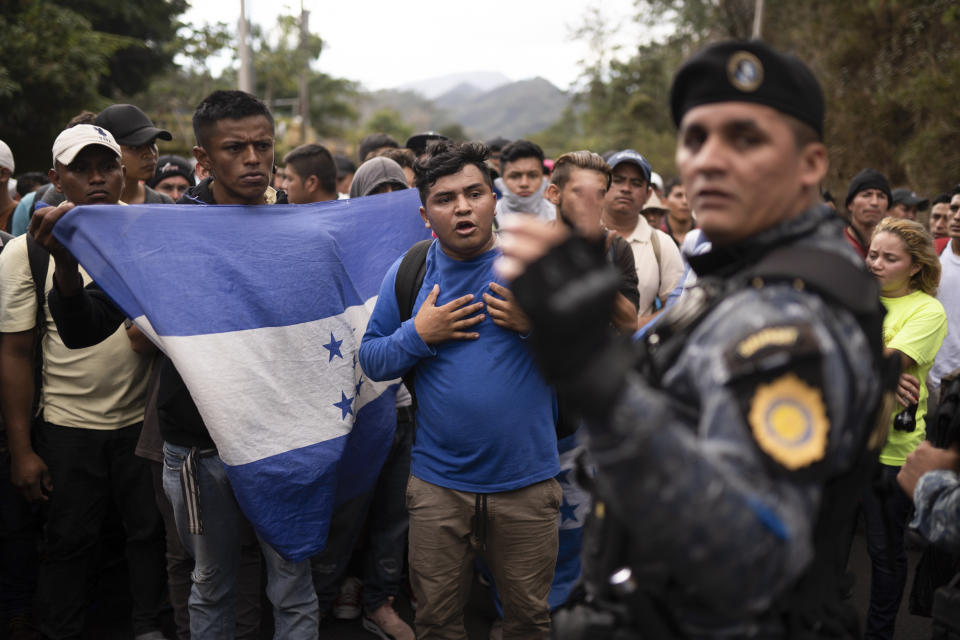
39 259
407 285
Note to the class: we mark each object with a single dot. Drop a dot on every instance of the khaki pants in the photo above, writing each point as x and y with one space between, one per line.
521 551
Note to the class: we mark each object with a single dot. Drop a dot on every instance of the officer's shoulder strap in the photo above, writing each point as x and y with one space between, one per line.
410 276
828 272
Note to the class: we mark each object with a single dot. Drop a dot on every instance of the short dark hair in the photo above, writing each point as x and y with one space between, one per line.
673 182
27 182
403 157
84 117
943 198
344 164
445 158
582 159
520 149
373 142
226 105
314 160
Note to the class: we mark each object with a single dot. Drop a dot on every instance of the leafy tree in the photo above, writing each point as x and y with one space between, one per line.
51 63
150 24
888 70
390 122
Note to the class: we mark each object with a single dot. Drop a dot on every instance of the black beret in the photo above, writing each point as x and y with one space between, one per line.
868 179
748 71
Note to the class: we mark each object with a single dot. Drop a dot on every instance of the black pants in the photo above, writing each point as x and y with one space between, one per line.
19 532
384 510
89 469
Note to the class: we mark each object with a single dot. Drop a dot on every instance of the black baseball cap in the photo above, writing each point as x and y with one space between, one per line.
909 198
418 142
129 125
172 166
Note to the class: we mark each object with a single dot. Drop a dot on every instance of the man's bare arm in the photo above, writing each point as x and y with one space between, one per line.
28 472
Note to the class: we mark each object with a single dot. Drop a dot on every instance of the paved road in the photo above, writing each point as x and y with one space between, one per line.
481 612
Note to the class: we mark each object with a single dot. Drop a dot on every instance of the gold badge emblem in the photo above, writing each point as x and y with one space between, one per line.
789 421
745 71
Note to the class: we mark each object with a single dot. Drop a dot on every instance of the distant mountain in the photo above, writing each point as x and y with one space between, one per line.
417 111
514 110
458 96
431 88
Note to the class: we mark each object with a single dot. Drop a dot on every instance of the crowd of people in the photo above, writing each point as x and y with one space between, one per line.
104 447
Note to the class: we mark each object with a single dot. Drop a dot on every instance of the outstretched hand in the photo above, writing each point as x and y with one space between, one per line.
449 321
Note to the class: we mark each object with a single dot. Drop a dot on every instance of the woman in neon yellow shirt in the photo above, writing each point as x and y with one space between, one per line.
902 258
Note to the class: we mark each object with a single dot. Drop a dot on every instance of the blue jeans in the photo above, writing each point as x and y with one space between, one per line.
216 554
886 511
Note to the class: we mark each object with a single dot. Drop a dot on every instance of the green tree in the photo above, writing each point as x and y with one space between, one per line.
887 67
150 25
390 122
51 64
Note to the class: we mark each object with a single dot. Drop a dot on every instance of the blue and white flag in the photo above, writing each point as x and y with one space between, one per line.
262 309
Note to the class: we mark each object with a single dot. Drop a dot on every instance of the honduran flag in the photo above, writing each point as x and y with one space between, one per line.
261 309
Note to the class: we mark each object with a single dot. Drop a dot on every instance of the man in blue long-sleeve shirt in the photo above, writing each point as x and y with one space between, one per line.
485 453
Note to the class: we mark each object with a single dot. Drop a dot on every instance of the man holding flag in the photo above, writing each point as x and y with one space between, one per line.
235 138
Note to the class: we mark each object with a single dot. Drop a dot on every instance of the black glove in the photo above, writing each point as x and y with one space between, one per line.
568 295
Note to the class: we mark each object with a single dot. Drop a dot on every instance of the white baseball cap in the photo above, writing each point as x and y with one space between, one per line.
71 141
655 179
6 156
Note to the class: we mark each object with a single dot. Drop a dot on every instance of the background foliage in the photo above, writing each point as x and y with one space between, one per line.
888 69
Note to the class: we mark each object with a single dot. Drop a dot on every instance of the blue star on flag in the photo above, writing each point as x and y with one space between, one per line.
359 384
345 405
333 347
568 511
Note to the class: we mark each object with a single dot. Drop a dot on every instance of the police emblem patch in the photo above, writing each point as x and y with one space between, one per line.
745 71
789 421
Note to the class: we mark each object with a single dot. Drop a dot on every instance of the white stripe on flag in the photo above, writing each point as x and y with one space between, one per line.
275 389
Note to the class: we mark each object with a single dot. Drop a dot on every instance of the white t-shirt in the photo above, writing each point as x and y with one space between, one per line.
948 358
654 282
99 387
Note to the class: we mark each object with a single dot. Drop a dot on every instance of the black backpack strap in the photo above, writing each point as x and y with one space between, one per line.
39 264
835 277
410 276
407 285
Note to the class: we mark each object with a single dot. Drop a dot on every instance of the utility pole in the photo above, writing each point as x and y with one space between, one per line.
758 19
304 74
245 77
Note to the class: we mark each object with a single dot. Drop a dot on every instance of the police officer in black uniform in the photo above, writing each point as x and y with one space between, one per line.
731 443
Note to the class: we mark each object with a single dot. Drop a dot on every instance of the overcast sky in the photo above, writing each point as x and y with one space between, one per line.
385 44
